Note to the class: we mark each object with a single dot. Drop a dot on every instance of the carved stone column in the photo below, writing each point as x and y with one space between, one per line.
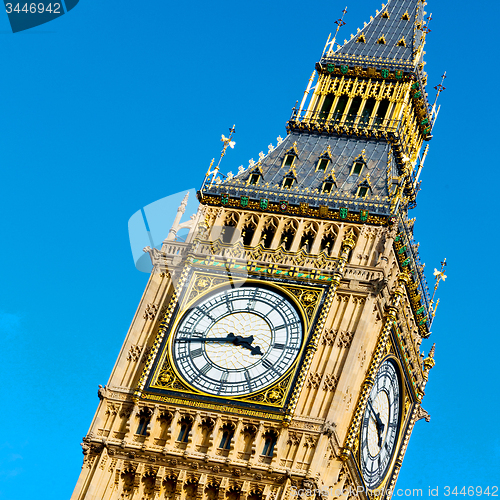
173 428
131 420
153 424
212 445
338 241
195 433
258 232
257 444
317 240
298 236
277 235
281 441
236 438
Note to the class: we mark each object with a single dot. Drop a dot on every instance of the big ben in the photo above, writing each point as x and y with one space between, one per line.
276 352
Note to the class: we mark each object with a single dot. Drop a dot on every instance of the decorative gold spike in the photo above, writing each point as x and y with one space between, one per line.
429 362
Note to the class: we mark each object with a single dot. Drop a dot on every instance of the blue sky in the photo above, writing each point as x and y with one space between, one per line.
119 104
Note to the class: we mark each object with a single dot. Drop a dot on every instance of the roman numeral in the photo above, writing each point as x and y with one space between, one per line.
279 346
249 381
229 304
223 380
269 366
196 353
206 369
206 313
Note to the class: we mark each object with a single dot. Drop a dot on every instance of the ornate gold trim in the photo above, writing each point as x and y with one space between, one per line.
306 299
313 212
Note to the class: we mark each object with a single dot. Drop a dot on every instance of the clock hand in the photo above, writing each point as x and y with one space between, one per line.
237 340
245 342
380 425
231 338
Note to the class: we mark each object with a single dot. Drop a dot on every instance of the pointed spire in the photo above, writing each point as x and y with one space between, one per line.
182 207
394 38
432 351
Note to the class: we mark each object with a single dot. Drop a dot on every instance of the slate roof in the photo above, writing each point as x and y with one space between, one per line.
393 29
344 151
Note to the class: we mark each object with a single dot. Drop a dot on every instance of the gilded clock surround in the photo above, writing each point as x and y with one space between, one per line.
347 259
166 378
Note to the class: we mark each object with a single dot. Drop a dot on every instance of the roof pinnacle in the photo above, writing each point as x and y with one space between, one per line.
429 362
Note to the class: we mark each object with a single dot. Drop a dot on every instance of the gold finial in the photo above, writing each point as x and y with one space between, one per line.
306 93
429 360
440 88
227 142
339 22
439 276
425 25
210 167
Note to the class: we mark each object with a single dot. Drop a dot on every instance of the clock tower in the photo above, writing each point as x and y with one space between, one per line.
275 354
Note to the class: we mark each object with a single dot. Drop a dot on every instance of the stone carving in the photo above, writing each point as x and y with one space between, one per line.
345 339
293 438
314 380
310 441
112 408
134 353
328 428
101 392
150 312
328 337
421 413
126 411
330 382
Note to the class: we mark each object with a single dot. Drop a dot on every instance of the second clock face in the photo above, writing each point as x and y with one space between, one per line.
380 426
237 341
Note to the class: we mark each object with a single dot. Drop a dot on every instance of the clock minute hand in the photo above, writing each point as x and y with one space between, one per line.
377 417
380 424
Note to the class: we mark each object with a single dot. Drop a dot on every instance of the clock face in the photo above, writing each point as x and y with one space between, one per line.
237 341
380 426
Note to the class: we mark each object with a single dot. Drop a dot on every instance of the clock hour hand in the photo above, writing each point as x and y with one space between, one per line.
237 340
245 342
